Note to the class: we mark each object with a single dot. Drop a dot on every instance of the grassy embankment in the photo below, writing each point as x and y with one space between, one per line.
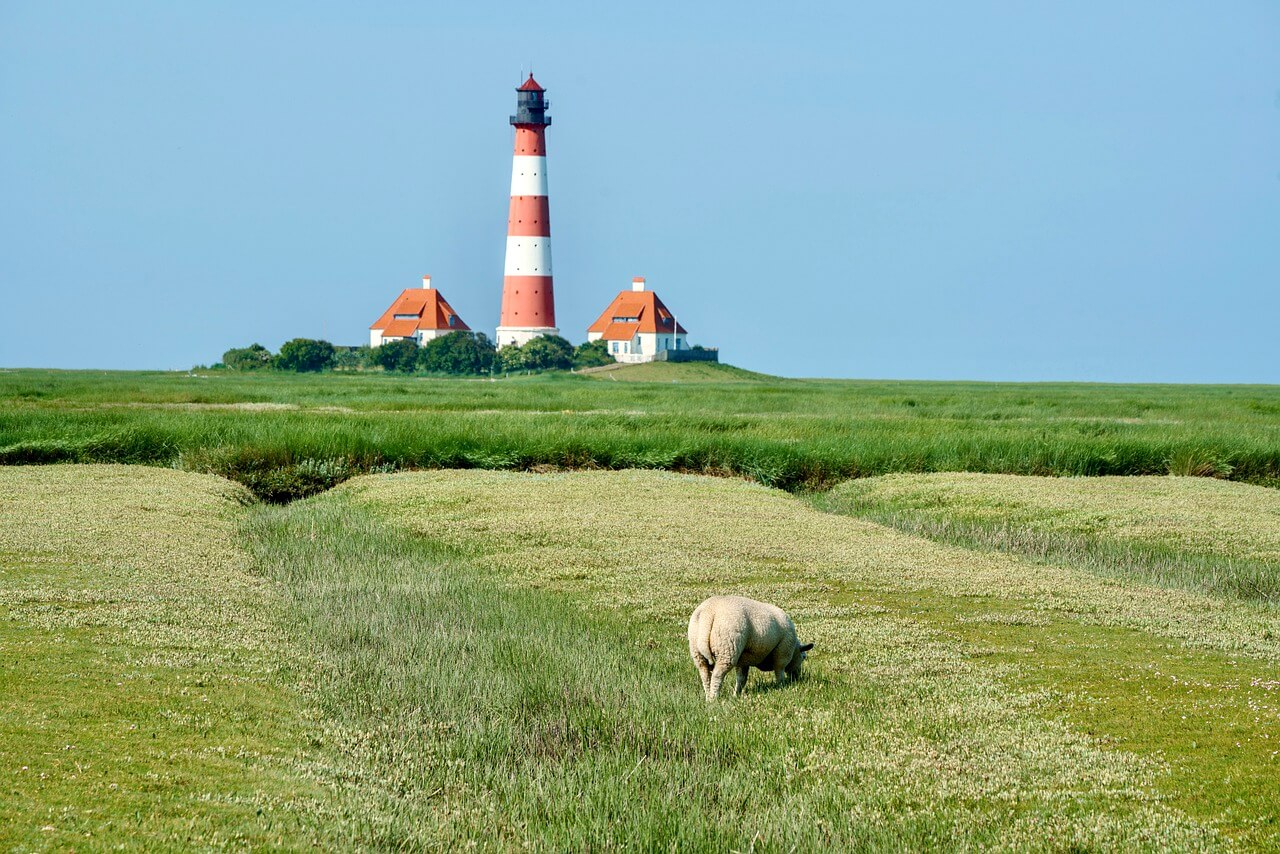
285 436
1193 533
500 657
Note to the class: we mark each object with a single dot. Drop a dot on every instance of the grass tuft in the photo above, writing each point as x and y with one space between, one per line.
1199 462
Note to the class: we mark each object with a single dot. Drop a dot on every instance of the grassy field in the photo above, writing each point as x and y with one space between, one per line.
427 660
495 655
286 436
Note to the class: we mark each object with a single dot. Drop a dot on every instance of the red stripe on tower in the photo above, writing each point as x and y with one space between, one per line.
528 302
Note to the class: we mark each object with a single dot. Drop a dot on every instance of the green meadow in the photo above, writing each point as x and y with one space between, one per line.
371 613
286 435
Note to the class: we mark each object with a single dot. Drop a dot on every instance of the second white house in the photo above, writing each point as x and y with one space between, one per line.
637 326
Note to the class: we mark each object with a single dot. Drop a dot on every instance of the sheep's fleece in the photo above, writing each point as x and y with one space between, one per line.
733 631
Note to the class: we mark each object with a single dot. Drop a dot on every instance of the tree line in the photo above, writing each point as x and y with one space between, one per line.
459 353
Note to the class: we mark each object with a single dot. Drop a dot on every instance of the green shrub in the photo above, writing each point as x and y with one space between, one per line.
592 354
457 353
305 355
352 358
544 353
255 357
400 356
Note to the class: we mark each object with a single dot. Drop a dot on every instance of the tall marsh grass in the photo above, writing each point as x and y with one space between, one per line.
291 436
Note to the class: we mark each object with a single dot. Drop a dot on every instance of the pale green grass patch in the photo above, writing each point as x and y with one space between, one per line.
1195 533
142 670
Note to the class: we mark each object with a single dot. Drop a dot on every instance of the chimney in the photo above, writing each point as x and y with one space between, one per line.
637 284
426 282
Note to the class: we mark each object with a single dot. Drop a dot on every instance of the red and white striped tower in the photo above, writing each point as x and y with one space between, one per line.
528 304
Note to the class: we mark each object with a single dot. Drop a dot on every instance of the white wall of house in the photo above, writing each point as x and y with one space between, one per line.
644 346
422 336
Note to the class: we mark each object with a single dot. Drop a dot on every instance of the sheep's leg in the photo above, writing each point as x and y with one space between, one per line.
717 677
742 679
781 676
704 672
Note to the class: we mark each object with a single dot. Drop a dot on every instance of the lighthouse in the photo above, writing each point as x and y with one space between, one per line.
528 303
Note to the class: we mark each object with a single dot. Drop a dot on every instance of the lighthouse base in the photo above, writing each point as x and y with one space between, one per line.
518 336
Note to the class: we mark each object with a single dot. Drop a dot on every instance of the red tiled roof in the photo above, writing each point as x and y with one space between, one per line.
530 85
430 310
651 314
400 329
620 331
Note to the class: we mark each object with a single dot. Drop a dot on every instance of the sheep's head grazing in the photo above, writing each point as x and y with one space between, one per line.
797 661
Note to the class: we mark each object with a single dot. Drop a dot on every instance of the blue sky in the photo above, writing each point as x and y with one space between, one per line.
979 190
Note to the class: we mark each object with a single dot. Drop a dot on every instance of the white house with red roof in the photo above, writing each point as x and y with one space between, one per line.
418 314
637 326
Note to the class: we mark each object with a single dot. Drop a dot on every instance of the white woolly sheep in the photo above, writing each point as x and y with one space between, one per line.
733 631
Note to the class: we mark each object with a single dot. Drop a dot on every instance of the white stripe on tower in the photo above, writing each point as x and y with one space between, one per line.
528 176
528 256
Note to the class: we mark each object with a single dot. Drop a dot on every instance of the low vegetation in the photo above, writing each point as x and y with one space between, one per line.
446 659
1195 533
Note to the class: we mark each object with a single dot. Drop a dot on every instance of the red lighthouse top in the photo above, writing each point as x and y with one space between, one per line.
530 85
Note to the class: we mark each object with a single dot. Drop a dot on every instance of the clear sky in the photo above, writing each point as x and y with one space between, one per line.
984 190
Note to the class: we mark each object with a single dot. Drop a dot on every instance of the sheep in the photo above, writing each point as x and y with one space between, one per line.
734 631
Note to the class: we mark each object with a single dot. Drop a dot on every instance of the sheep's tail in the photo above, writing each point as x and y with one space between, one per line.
702 633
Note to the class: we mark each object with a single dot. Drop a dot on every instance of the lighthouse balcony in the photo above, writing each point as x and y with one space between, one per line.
523 118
